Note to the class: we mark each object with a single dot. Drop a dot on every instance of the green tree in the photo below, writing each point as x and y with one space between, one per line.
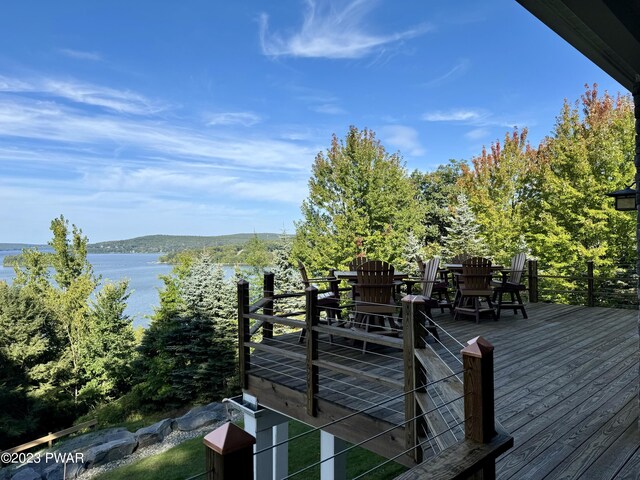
437 192
463 236
189 351
589 154
361 200
107 353
500 186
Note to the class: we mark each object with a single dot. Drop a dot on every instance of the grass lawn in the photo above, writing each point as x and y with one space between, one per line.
187 459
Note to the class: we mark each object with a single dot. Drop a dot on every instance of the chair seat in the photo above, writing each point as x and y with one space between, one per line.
509 287
478 293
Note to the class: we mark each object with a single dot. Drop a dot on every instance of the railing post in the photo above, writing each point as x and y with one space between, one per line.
267 292
243 332
477 359
591 299
533 281
229 453
414 336
311 294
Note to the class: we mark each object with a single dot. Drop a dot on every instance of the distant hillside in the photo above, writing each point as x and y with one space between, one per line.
174 243
19 246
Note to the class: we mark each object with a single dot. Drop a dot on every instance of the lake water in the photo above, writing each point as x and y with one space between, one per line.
141 269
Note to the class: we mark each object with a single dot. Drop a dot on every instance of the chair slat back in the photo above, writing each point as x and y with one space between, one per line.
517 267
476 272
375 282
303 273
429 277
356 262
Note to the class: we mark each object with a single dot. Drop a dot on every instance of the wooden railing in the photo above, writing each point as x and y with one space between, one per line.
585 288
471 399
53 436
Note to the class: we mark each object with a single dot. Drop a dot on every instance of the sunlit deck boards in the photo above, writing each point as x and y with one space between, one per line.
566 385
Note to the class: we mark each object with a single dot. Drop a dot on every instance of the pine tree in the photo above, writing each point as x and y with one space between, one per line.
108 351
463 236
287 277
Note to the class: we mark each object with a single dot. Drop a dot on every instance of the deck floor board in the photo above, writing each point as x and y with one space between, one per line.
566 385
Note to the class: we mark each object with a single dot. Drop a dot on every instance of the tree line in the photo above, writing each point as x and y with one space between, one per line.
546 200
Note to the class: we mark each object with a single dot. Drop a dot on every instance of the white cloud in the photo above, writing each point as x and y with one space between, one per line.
477 133
44 121
121 101
406 139
453 116
329 109
455 72
81 55
246 119
329 31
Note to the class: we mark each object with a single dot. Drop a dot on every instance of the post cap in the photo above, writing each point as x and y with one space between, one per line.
228 438
413 299
478 347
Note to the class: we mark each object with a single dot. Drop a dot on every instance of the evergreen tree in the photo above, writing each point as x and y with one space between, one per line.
287 278
463 236
108 351
189 351
412 250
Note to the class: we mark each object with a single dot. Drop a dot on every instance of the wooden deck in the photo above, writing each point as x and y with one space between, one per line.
566 387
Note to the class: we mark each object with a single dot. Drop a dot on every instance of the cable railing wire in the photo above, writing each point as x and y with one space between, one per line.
399 455
199 475
327 378
443 346
358 412
379 434
443 329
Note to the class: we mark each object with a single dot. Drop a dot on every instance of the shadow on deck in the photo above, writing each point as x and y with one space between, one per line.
566 389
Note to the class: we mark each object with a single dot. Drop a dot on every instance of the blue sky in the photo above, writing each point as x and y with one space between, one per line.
203 118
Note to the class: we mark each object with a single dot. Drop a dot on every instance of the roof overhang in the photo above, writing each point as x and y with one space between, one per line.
606 31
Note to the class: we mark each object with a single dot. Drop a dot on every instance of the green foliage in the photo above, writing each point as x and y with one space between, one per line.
256 254
500 187
66 353
463 236
437 192
188 353
107 351
360 201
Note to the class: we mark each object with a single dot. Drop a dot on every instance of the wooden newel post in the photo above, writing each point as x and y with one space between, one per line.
414 336
591 299
312 350
229 453
243 332
477 360
267 292
533 280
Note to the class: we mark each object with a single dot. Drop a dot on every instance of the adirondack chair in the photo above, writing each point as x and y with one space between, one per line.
356 262
512 284
429 281
375 287
328 302
440 285
475 284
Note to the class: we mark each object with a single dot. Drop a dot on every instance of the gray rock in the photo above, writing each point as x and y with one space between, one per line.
110 451
153 433
62 471
89 440
200 417
27 473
